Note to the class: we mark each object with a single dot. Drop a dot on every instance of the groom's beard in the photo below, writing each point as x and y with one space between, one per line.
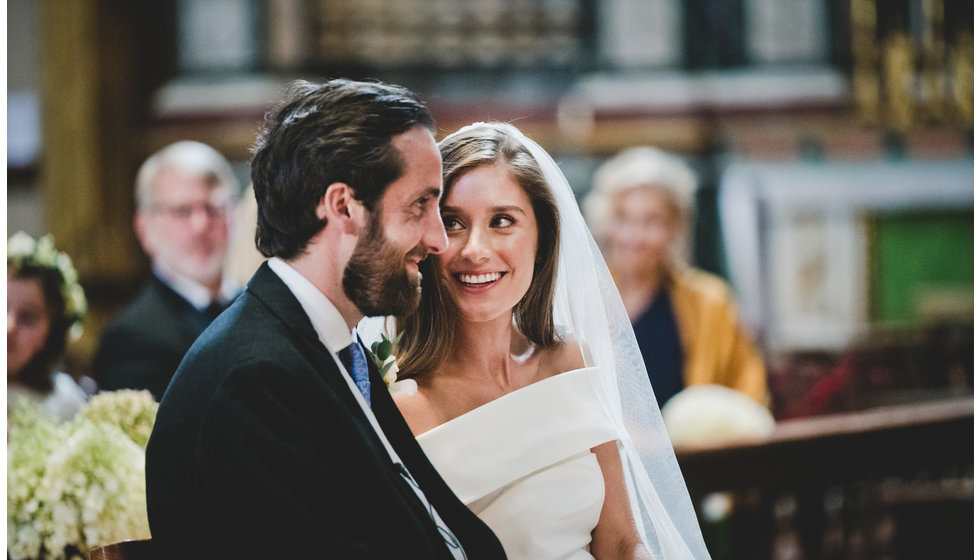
376 279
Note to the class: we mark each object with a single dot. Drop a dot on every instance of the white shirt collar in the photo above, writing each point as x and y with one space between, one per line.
327 321
195 293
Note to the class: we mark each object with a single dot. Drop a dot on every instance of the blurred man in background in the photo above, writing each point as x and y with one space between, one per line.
184 197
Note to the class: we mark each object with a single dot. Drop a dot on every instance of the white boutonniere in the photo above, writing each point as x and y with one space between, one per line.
382 353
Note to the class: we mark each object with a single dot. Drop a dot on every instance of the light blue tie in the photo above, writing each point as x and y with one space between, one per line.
356 364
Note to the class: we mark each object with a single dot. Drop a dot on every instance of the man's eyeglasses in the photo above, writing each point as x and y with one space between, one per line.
183 212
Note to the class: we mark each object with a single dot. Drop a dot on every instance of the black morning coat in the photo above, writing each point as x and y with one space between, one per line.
143 346
260 450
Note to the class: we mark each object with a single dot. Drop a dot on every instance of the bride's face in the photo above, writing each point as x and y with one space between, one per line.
493 240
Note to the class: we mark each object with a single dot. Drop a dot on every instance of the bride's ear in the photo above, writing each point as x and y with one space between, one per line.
339 206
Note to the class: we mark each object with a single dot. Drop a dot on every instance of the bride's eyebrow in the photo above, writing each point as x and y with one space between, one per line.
505 209
493 210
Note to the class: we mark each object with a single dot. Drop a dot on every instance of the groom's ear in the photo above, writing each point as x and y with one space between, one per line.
339 206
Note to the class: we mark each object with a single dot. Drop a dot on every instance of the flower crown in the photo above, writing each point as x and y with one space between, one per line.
23 250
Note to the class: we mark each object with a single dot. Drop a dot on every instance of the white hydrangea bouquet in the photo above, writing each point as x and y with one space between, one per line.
72 486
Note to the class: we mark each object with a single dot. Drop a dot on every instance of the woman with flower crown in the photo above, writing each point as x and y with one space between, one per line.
532 400
45 305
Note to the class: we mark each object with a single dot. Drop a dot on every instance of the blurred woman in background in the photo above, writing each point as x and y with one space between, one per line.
640 210
45 305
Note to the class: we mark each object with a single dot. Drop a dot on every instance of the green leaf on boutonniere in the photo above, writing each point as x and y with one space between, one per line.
384 359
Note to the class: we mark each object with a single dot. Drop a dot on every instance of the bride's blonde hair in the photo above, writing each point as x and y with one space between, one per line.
429 333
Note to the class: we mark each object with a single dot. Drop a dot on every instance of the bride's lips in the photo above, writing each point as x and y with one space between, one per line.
478 279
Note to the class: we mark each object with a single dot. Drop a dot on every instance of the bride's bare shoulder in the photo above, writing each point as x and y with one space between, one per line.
565 356
417 409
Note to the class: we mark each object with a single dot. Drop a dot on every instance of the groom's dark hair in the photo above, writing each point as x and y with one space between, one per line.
336 132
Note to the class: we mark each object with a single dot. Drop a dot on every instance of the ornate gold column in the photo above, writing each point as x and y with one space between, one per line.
898 68
89 138
864 49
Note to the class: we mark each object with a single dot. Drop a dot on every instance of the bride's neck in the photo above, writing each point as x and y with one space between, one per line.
491 350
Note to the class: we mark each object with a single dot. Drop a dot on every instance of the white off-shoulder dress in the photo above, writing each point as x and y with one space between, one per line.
523 464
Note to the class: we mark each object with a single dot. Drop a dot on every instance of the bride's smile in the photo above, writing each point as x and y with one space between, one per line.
479 278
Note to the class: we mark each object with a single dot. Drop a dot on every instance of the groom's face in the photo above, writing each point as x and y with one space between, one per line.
382 276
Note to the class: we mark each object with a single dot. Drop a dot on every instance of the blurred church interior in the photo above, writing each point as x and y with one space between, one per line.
833 140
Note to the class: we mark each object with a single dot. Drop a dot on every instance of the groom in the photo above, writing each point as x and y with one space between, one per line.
276 438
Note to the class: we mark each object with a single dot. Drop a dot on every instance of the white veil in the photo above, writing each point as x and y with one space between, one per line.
589 309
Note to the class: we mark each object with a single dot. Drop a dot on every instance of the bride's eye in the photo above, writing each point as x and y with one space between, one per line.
501 221
451 223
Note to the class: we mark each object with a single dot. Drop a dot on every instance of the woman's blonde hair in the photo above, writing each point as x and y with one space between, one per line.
643 166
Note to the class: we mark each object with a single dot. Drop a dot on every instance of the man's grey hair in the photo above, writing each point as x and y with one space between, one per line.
187 158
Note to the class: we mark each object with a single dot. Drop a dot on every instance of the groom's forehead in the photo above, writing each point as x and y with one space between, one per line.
421 171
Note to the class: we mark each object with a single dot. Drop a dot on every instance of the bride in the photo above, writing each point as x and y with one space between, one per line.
532 400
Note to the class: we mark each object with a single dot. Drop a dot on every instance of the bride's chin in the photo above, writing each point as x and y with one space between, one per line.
482 314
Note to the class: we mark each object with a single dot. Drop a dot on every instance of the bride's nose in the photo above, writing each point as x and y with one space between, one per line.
476 247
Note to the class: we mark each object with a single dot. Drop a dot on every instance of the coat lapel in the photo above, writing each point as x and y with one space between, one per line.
272 292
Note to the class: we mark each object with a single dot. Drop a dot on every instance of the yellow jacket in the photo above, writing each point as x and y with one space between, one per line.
717 350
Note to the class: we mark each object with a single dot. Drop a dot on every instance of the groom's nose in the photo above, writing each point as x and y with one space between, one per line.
434 234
